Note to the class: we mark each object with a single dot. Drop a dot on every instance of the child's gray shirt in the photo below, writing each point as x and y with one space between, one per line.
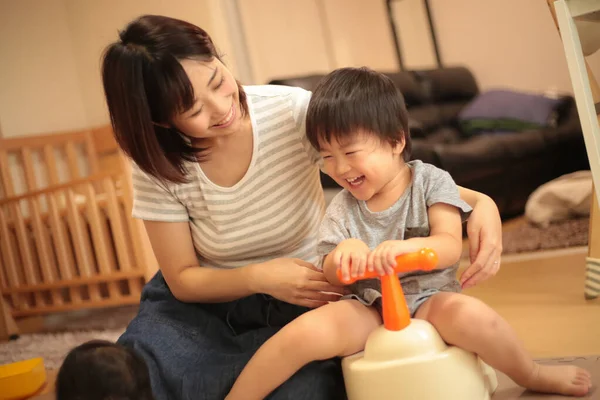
346 217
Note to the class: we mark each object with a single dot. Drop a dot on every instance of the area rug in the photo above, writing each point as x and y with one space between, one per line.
523 237
52 347
65 331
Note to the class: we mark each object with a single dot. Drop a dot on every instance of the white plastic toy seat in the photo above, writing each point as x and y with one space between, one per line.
407 358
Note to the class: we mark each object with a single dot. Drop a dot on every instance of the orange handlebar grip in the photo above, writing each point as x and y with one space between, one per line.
422 260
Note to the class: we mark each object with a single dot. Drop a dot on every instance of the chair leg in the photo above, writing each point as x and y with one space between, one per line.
592 278
8 327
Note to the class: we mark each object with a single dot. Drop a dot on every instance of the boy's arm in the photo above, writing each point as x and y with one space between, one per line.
332 261
445 234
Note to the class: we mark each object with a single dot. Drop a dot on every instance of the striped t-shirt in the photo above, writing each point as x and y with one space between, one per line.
273 211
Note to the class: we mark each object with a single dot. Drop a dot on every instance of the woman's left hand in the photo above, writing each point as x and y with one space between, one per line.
484 229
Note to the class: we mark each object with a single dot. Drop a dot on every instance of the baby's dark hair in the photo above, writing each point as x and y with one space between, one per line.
102 370
351 99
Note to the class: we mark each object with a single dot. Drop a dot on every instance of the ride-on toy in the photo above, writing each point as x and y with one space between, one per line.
407 358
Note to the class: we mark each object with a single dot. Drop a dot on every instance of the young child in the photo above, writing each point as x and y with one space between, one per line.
102 370
358 122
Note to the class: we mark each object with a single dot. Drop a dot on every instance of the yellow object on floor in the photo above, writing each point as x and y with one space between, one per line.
22 379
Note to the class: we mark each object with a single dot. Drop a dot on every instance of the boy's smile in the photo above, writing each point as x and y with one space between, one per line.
365 165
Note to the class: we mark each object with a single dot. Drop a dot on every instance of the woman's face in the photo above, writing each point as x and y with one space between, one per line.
216 111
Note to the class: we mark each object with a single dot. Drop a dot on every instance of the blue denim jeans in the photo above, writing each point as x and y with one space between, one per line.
196 351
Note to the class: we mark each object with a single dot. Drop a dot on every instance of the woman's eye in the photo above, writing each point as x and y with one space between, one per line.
326 157
221 82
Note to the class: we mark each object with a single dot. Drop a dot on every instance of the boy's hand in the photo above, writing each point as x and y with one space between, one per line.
350 256
383 258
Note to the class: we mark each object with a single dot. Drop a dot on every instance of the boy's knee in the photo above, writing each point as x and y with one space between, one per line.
465 314
312 336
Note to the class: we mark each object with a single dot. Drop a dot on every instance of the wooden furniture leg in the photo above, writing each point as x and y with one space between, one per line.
592 273
587 97
8 327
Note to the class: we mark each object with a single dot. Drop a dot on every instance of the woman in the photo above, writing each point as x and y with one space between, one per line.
229 191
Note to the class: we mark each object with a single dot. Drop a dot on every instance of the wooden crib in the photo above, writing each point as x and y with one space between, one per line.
67 240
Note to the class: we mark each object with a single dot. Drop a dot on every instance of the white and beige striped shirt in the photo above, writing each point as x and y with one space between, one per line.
273 211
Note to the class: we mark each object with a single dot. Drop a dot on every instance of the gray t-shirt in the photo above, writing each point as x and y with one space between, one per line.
347 217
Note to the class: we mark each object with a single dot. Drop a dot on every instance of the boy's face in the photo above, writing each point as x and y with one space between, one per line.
362 163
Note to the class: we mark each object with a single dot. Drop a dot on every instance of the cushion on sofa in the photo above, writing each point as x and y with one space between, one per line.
508 111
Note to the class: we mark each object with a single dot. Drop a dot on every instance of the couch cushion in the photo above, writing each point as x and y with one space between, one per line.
448 84
509 111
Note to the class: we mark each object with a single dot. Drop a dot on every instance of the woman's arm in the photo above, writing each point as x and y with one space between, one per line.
484 229
472 197
174 251
291 280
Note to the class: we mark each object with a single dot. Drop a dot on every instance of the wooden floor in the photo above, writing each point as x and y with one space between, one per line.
541 297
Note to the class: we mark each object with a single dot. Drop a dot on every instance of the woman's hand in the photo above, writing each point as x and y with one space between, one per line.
484 229
294 281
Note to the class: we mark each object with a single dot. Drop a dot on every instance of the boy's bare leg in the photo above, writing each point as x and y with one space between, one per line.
468 323
336 329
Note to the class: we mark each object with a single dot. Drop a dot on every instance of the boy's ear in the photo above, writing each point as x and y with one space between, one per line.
398 148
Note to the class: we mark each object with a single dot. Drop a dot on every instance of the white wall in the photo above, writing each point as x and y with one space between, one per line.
50 69
40 90
509 43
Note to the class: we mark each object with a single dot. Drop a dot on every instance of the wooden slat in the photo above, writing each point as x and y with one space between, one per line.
64 252
28 168
51 165
92 280
122 242
25 251
39 141
72 160
104 140
62 186
44 247
102 250
41 237
10 261
83 252
92 156
121 301
7 184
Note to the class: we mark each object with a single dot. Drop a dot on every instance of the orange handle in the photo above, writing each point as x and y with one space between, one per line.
396 315
423 260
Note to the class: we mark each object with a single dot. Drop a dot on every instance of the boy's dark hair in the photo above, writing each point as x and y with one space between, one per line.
102 370
351 99
146 86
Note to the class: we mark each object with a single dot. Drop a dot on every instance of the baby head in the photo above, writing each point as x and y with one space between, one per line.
358 122
102 370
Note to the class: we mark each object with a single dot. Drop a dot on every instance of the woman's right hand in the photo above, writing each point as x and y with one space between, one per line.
294 281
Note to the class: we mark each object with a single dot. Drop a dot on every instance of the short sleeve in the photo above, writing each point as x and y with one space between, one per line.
153 201
332 230
301 100
441 188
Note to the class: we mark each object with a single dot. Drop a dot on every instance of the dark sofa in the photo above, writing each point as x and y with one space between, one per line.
506 166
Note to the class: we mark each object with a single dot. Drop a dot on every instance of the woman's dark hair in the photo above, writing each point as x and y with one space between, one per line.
102 370
352 99
146 86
